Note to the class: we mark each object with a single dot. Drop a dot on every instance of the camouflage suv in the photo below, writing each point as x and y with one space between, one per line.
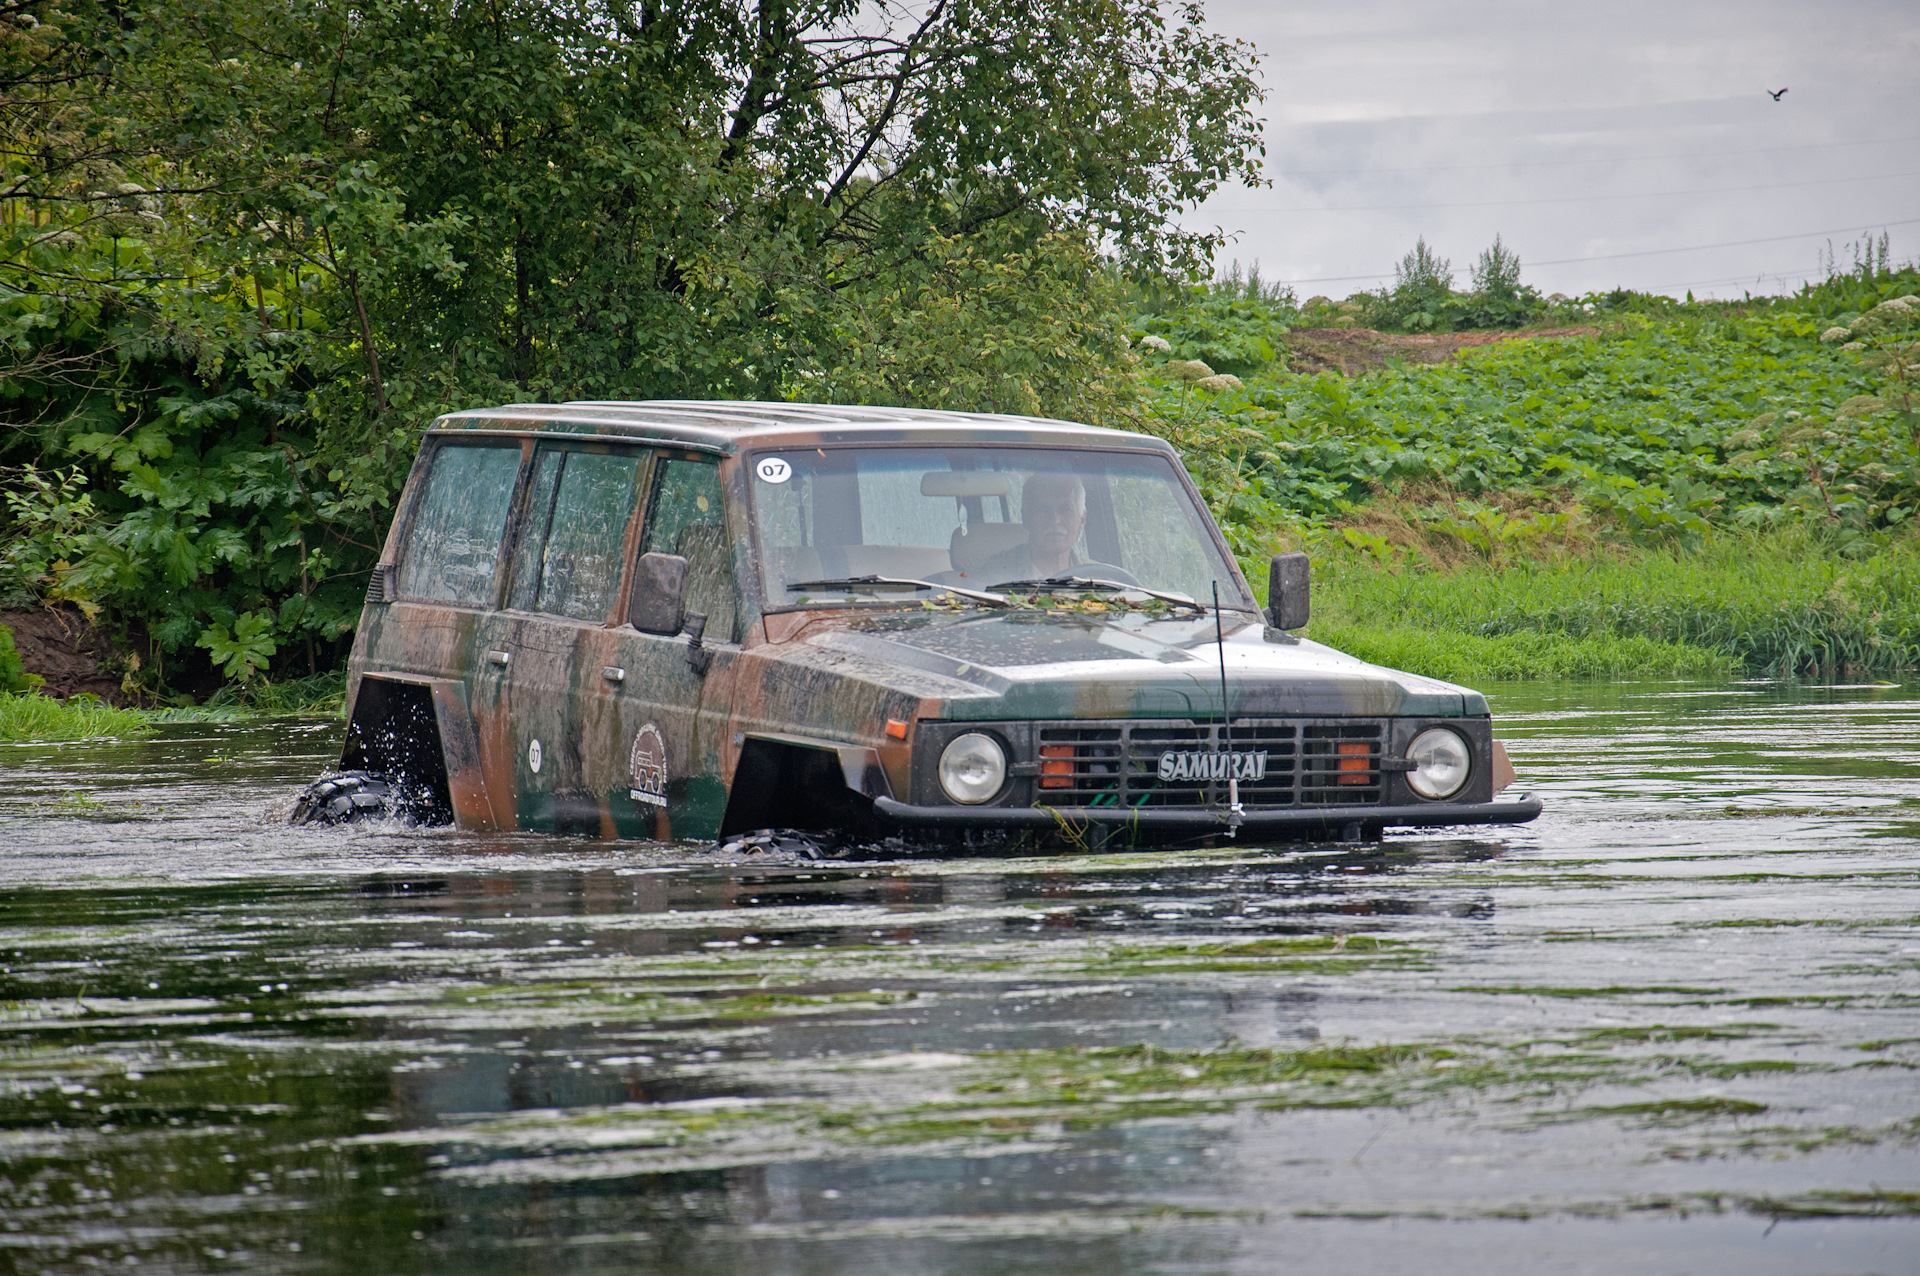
691 620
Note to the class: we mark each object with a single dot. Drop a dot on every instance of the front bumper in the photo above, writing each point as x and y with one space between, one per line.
1203 820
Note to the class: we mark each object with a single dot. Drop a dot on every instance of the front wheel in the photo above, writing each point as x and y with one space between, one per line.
353 797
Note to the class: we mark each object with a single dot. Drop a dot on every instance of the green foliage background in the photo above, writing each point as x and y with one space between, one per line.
1684 487
247 251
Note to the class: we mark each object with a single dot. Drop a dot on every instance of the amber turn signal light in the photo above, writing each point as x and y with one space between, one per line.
1056 766
896 728
1355 761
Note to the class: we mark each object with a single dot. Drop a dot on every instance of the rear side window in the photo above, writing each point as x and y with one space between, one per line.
686 519
453 547
568 563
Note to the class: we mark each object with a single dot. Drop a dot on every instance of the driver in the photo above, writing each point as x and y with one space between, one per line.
1053 509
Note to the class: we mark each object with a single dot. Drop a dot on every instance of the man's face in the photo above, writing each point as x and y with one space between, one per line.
1054 512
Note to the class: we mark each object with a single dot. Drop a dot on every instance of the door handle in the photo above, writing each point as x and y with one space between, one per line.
613 673
499 657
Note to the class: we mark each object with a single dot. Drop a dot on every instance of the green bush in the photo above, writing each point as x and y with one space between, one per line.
1236 325
1422 298
14 678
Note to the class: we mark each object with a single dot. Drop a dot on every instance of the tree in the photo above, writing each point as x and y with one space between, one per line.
252 248
1423 272
1496 275
595 198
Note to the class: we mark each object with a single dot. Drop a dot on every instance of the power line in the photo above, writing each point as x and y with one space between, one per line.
1750 280
1568 199
1623 159
1732 243
1647 252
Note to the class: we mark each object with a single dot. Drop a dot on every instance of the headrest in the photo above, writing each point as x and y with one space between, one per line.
963 483
972 546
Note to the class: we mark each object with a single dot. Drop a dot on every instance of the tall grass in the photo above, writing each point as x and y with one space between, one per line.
37 717
1474 658
323 694
1780 605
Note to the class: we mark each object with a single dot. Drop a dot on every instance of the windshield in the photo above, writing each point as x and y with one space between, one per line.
977 518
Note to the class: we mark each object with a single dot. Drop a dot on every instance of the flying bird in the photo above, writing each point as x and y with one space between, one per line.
1775 96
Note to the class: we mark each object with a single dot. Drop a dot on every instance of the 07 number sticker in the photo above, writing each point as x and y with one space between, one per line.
773 470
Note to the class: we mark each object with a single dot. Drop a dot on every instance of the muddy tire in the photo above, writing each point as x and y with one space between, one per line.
351 797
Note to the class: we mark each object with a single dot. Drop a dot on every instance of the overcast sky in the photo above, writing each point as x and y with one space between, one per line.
1589 131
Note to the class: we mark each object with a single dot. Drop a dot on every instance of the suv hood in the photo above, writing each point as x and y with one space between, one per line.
1040 664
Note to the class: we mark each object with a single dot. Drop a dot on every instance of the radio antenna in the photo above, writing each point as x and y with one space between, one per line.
1224 741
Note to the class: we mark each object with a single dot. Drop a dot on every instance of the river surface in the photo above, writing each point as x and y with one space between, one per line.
1673 1026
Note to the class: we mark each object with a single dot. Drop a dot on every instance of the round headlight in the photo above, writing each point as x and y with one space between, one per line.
972 767
1441 763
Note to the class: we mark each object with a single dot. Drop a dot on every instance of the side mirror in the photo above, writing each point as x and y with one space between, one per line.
1289 592
658 603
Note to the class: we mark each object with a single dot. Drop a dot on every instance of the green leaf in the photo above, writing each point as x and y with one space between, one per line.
244 650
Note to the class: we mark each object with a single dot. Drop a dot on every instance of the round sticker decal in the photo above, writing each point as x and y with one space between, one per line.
773 470
533 757
647 767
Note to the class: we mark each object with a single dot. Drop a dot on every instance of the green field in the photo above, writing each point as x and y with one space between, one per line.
1681 489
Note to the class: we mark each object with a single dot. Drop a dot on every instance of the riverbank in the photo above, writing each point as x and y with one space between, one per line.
1778 605
34 716
1636 487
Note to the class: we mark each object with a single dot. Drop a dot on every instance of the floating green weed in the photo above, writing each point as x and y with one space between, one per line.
1612 990
1750 1067
762 1004
1668 1111
1874 1203
1888 1044
1317 954
1065 1074
220 714
1679 1032
1270 947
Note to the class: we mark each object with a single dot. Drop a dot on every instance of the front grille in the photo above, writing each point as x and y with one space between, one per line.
1118 763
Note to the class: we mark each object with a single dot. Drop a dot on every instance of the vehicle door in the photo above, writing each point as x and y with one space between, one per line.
443 591
676 692
548 679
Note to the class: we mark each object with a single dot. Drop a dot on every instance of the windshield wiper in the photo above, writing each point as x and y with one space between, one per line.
1109 586
868 582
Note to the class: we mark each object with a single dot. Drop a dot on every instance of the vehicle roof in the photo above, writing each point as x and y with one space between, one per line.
728 426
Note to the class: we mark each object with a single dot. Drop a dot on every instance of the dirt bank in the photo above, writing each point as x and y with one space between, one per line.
1352 351
65 648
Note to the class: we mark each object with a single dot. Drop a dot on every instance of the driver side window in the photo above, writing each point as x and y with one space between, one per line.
686 517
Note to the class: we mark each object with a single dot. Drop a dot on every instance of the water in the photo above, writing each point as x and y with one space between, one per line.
1672 1026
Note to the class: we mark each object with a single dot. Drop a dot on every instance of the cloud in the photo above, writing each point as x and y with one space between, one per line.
1579 132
